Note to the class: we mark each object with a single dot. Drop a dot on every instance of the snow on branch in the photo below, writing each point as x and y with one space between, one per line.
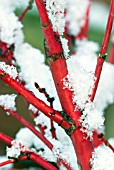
8 101
76 15
56 14
102 158
10 28
11 70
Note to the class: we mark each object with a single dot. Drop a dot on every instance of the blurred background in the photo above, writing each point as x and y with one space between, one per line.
34 36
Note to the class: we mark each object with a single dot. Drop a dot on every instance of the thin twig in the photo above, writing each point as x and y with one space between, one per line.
103 50
39 104
50 100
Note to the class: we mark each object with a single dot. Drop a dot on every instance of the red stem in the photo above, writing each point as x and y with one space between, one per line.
39 104
59 161
53 130
36 102
80 144
53 44
50 100
29 126
21 158
34 157
84 29
100 61
58 67
41 137
99 139
23 13
68 167
103 49
40 126
5 138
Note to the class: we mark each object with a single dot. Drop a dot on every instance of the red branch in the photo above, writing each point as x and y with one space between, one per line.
65 96
39 104
30 3
38 134
10 161
53 132
31 155
53 44
100 61
84 30
34 157
29 126
99 139
23 13
50 100
5 138
103 50
58 67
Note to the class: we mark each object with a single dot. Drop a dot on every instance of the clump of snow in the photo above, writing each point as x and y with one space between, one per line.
10 28
102 158
76 15
33 69
62 151
11 70
62 167
8 101
33 109
79 81
91 119
43 120
62 146
10 6
14 151
107 75
55 9
65 47
25 136
17 147
56 13
86 56
98 15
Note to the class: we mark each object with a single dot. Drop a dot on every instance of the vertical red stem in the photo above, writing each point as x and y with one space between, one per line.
53 44
53 130
103 49
82 146
84 30
59 71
